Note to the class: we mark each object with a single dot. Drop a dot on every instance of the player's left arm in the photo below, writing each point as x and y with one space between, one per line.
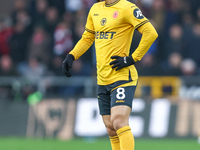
134 16
149 35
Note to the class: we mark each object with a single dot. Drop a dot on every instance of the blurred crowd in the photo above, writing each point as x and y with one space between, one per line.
176 51
38 34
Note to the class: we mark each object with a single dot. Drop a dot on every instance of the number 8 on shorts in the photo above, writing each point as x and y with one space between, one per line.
123 96
120 93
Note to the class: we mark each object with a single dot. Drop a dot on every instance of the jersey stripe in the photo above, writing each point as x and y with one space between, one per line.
88 30
142 23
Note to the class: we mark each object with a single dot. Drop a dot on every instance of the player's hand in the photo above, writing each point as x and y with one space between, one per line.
121 62
67 64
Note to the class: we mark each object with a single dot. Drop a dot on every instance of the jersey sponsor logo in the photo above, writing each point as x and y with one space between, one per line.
116 14
138 14
104 35
96 15
103 21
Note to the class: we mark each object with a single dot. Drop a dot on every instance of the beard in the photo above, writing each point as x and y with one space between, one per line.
99 0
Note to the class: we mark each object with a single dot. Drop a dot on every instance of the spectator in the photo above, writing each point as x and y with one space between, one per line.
24 18
34 70
173 15
173 65
18 43
52 19
59 5
188 22
38 9
189 67
191 49
20 5
68 19
5 34
56 66
63 39
175 43
6 67
39 46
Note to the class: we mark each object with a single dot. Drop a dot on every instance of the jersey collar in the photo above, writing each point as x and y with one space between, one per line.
109 5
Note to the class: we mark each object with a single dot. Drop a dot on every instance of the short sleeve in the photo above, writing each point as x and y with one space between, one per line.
134 16
89 24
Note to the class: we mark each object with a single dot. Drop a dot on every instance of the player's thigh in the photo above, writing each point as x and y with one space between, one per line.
123 96
107 121
120 115
109 126
103 100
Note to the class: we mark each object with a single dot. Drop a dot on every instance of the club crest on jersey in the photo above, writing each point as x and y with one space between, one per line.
103 21
138 14
116 14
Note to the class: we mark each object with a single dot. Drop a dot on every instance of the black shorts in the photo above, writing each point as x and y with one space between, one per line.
108 98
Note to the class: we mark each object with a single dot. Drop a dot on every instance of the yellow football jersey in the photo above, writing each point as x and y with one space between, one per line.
112 27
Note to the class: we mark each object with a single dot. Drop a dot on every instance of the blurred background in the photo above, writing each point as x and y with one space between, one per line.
37 100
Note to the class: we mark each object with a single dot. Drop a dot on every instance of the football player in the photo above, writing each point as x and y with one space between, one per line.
111 24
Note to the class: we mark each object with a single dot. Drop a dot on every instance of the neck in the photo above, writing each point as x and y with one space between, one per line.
109 1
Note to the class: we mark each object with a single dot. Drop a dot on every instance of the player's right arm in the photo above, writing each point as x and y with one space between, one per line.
81 47
87 39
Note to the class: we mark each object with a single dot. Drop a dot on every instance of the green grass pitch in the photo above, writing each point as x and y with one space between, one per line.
97 144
